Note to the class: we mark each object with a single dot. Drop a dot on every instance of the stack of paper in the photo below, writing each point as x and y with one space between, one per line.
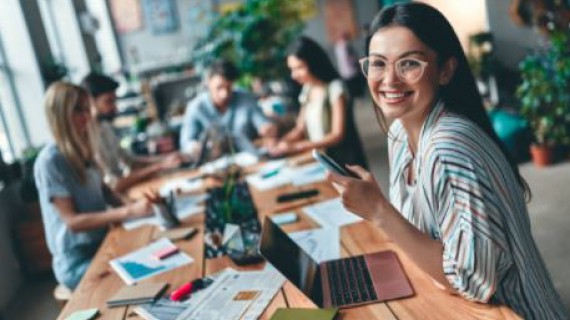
277 174
331 213
236 295
242 159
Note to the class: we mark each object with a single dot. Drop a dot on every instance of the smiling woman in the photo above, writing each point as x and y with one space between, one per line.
456 204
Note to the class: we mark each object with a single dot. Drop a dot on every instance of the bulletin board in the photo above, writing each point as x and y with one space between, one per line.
161 15
127 15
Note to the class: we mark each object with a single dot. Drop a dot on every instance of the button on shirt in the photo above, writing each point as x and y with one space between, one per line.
243 118
72 251
467 197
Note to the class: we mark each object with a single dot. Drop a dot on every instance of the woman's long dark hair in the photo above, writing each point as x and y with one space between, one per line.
460 96
319 63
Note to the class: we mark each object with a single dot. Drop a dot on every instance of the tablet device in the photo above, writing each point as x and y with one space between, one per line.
331 165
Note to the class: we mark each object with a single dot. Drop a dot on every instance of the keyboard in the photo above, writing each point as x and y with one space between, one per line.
350 281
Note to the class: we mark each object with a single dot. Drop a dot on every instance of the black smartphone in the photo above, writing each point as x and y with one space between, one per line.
297 195
331 165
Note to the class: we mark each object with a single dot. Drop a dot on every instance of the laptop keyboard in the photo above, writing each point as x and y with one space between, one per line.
350 281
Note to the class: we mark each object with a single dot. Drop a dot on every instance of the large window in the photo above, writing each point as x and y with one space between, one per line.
6 147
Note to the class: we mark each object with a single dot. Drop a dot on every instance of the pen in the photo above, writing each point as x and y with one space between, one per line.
270 174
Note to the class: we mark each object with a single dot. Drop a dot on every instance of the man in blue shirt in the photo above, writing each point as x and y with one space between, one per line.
223 108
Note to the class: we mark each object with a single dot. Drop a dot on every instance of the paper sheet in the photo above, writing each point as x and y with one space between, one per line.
182 185
272 175
321 244
236 295
331 213
242 159
186 206
307 174
298 176
140 264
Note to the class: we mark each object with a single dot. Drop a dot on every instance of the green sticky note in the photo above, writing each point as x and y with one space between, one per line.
84 314
304 314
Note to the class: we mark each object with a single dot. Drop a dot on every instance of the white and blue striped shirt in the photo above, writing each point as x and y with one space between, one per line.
467 197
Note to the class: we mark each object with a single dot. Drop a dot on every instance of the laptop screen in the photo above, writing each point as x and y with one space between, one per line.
292 261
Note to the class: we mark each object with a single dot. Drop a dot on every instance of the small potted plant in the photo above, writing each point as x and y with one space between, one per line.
544 96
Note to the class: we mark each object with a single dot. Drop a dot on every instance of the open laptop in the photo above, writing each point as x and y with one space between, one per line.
338 283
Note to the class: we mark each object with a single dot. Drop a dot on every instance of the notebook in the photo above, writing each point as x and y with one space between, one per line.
304 314
137 294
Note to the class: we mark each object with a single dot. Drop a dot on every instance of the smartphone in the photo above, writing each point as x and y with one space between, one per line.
331 165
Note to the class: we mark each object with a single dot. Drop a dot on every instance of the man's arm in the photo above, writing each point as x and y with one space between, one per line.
191 127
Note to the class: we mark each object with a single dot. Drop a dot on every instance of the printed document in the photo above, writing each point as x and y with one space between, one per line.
331 213
321 244
142 264
236 295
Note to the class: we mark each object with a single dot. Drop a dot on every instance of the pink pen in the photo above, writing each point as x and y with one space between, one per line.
182 291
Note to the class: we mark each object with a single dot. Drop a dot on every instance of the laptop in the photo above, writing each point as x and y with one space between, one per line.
340 283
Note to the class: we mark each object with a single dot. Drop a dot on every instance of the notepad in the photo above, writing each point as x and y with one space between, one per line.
137 294
304 314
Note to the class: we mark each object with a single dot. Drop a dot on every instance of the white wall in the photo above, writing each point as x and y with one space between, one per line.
28 83
512 42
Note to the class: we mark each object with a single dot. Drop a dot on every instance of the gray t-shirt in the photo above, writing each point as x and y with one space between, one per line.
243 118
71 251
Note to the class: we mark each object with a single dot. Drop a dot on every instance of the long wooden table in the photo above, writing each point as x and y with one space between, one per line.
101 282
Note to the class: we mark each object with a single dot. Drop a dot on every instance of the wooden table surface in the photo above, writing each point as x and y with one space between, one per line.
101 282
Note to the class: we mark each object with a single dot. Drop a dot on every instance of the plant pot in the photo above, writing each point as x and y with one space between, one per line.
541 155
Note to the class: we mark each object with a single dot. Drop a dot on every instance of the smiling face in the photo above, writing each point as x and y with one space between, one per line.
396 98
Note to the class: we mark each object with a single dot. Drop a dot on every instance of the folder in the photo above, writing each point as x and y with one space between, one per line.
137 294
304 314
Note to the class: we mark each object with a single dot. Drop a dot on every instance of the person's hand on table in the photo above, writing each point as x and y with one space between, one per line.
171 161
363 196
282 148
268 130
138 209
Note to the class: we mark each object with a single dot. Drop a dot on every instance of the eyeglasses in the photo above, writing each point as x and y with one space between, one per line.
408 70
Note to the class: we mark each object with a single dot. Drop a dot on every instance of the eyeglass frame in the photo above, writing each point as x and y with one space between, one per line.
422 63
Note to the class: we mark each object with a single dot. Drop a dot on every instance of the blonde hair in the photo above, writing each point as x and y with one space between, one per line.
61 101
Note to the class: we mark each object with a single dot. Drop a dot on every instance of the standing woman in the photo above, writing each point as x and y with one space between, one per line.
326 118
457 201
72 195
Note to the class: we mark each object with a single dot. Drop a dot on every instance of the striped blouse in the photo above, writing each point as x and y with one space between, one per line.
466 196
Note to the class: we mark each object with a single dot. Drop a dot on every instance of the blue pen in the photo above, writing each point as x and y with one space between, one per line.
270 173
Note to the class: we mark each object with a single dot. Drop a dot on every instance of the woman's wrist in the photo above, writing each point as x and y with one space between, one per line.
382 209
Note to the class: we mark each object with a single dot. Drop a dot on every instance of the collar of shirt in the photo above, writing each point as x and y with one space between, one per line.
425 133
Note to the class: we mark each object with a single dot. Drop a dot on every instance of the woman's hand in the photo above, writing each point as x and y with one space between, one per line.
138 209
171 161
282 148
360 196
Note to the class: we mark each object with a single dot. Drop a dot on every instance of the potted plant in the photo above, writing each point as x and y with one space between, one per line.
254 37
544 96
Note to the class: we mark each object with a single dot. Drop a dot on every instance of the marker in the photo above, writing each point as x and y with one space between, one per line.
165 253
270 174
189 288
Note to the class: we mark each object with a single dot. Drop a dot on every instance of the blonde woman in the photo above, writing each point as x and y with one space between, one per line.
73 198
